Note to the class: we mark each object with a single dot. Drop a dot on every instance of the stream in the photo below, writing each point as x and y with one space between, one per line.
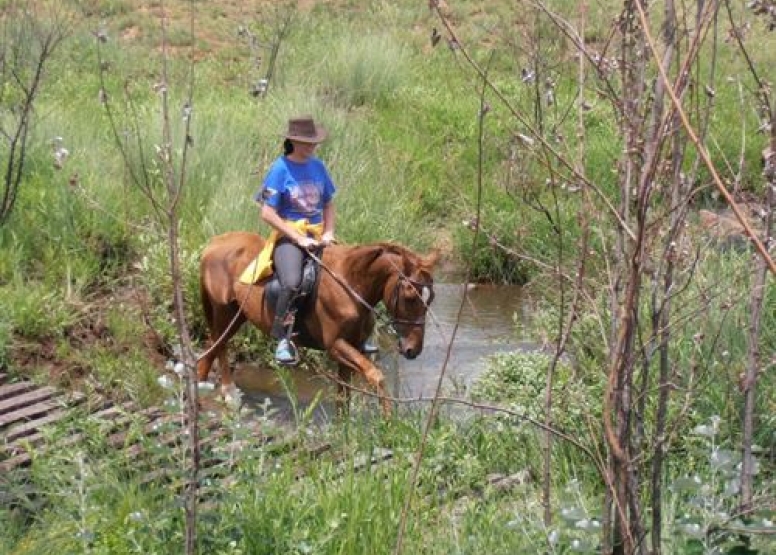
487 325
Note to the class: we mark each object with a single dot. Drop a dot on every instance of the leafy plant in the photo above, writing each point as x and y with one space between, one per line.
518 380
707 514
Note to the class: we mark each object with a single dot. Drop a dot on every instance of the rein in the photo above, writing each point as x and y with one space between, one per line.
417 285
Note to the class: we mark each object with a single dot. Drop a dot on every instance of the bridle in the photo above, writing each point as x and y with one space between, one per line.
419 287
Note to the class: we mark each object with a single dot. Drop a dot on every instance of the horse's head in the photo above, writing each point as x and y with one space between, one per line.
407 297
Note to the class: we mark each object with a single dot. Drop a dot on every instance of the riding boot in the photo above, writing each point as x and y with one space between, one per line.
282 325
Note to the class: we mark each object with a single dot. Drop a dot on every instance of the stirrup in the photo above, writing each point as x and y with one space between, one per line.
286 353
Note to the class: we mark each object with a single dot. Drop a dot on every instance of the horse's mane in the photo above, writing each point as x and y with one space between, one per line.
394 248
390 247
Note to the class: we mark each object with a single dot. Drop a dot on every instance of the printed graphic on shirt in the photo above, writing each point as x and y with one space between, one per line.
305 198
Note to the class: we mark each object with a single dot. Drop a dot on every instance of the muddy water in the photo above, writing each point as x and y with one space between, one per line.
486 326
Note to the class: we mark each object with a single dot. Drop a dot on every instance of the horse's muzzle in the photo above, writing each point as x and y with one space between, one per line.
410 350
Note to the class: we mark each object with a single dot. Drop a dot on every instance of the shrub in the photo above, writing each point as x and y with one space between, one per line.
519 380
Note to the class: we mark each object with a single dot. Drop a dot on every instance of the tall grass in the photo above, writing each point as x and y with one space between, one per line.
337 502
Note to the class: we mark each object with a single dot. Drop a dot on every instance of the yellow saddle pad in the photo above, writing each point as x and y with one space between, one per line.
261 266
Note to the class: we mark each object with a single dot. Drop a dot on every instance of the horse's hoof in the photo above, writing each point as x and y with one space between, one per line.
369 348
232 396
205 387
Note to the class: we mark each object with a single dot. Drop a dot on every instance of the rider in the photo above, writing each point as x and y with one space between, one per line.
296 200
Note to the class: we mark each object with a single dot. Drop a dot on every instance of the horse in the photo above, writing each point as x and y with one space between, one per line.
340 315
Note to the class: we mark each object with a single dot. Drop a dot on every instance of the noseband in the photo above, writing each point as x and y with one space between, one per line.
419 287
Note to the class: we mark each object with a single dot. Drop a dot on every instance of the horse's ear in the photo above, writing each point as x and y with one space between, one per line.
431 259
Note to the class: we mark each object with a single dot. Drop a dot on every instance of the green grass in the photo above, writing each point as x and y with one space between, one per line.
327 504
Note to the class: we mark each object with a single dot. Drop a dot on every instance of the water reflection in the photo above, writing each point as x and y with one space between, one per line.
265 388
486 326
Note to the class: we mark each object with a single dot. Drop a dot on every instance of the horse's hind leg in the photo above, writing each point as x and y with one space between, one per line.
226 321
343 390
205 362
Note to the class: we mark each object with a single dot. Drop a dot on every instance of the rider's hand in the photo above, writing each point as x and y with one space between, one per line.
328 239
307 243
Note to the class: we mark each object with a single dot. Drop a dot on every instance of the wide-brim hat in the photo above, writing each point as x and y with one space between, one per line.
305 130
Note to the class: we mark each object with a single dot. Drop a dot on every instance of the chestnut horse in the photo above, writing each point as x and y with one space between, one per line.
340 316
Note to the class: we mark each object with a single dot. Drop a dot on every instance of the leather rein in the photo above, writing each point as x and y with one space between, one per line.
418 286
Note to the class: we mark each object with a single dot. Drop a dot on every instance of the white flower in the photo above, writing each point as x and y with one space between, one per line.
165 382
692 529
553 537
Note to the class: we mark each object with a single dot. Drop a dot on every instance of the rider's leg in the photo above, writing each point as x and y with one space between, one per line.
288 260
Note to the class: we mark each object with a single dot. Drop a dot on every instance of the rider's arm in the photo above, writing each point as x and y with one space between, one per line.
271 216
329 218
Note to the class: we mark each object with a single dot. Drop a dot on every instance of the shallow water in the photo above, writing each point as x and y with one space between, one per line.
486 326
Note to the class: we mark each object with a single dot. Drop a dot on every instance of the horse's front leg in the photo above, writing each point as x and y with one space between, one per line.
350 357
343 389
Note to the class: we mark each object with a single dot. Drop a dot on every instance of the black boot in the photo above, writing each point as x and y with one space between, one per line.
283 313
283 326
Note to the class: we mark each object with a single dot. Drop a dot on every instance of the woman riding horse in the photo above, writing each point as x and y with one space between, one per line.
339 317
297 201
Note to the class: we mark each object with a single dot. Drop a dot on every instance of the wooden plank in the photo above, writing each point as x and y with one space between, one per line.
30 411
29 398
213 466
38 409
15 462
210 466
28 428
13 389
21 495
215 446
377 456
21 457
151 429
20 445
163 437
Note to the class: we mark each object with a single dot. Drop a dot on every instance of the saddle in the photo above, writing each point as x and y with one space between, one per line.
308 288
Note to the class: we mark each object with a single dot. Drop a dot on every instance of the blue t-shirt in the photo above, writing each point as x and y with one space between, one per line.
297 191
